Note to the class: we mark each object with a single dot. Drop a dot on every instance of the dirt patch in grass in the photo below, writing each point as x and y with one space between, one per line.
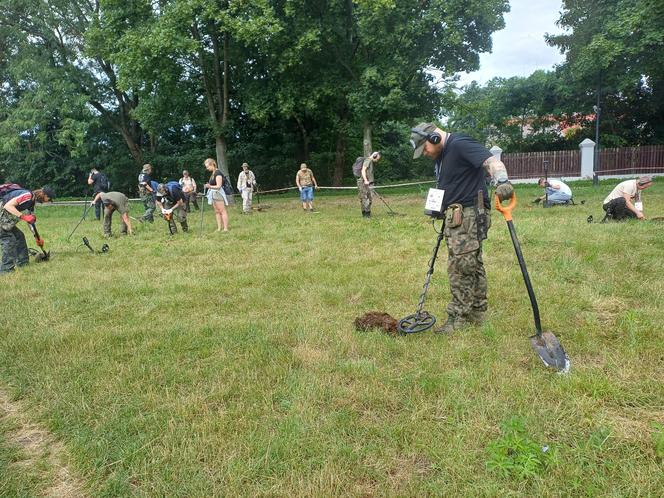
38 444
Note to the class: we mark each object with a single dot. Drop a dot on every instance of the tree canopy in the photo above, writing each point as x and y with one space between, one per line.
270 82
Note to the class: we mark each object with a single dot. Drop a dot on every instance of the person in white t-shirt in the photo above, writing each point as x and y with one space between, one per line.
556 192
624 201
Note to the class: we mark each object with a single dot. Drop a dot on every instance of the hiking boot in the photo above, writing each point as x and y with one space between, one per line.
477 317
451 325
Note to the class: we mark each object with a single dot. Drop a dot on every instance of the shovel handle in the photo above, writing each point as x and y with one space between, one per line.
506 211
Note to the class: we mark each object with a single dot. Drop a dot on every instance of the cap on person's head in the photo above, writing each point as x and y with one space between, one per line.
146 168
303 165
245 165
185 172
418 137
375 155
644 180
49 192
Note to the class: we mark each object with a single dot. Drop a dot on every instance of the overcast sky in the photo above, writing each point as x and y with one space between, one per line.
519 49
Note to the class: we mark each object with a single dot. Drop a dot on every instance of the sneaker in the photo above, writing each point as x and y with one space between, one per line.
451 325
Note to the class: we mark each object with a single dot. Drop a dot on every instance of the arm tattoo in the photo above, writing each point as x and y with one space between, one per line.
496 169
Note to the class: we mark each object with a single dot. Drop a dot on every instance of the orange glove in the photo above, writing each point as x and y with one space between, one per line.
40 242
29 218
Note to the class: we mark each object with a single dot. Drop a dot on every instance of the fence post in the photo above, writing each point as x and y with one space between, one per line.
496 151
587 158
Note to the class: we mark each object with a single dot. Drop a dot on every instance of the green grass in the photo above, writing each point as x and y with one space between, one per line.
227 364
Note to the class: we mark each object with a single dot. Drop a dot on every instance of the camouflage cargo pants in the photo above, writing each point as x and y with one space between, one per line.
364 193
108 218
149 204
465 268
12 240
179 213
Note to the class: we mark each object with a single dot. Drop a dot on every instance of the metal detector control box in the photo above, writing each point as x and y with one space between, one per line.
434 204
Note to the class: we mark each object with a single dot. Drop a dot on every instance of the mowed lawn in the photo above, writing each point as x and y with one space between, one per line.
228 365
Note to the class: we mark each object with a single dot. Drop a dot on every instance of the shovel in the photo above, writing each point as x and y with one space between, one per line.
45 256
545 344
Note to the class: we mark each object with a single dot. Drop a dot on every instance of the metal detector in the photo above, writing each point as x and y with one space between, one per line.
422 320
85 211
104 248
545 344
392 212
203 203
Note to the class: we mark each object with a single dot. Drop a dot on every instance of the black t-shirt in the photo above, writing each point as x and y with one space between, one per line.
213 178
144 179
172 195
99 182
459 171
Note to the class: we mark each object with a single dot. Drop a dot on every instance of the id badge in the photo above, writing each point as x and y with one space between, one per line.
434 203
639 206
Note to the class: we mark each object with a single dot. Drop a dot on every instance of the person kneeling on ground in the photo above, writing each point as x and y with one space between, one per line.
15 199
170 199
556 192
113 201
624 201
306 183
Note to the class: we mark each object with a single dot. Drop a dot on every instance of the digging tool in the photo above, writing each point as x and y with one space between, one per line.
392 212
203 203
44 256
545 344
85 211
422 320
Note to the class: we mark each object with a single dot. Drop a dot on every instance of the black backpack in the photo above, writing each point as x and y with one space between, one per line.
357 166
104 184
226 185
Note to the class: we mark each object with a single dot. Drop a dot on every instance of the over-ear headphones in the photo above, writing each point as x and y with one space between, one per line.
434 138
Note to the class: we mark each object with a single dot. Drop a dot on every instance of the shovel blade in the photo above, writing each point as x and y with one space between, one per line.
550 351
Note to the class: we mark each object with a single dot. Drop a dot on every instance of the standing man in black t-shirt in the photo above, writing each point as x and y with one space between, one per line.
99 183
461 165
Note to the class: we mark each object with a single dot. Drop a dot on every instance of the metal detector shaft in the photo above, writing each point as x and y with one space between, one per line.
382 199
85 211
526 277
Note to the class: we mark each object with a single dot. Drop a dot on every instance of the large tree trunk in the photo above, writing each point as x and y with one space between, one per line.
134 148
339 159
366 142
222 154
304 157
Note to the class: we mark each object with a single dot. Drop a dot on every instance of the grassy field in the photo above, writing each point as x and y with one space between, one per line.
227 364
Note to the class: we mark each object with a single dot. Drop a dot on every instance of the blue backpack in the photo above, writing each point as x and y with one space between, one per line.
173 186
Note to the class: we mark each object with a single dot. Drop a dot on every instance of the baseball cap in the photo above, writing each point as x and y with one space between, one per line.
644 180
49 192
418 137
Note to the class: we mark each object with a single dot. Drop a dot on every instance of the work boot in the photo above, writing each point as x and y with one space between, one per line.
366 214
452 324
477 317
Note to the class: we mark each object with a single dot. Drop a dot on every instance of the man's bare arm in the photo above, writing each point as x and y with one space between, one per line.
496 169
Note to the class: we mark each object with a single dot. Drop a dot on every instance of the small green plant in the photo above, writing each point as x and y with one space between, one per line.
515 453
658 440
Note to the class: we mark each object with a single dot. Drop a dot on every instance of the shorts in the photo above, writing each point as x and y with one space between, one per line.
219 195
307 194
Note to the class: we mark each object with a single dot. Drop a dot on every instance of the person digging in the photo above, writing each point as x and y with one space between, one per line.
172 203
17 204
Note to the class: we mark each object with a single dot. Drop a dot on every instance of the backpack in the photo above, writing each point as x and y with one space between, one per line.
104 184
5 188
173 186
357 166
226 185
